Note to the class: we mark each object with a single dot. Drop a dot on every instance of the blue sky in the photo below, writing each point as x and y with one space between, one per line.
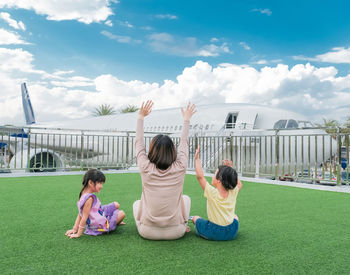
289 54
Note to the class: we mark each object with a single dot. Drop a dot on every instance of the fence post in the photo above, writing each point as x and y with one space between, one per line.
127 149
28 151
257 157
81 150
277 154
339 157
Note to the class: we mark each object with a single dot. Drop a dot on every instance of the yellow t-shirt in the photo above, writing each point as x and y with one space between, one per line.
220 210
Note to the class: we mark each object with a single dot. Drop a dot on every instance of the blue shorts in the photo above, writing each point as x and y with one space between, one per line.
214 232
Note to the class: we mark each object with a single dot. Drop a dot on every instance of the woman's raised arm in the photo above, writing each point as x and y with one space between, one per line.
183 147
141 157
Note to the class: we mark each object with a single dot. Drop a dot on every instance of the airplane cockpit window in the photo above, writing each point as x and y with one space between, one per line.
292 124
281 124
231 119
305 124
195 126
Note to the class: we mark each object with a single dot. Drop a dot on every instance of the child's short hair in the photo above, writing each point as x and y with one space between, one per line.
228 176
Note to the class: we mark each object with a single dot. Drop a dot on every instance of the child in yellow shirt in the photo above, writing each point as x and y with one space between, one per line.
222 223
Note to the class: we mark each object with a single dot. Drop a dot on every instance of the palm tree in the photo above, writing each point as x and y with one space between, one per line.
329 123
104 110
129 109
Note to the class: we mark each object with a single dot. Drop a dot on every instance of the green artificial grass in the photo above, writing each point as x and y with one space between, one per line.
282 230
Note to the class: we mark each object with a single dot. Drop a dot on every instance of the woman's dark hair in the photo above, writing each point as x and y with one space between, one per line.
95 176
228 176
162 152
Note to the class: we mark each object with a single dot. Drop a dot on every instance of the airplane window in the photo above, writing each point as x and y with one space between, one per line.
212 126
292 124
207 127
158 128
162 128
190 127
176 128
195 126
231 119
200 126
281 124
180 127
166 129
171 128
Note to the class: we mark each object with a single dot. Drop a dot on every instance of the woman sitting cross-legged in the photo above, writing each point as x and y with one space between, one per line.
162 213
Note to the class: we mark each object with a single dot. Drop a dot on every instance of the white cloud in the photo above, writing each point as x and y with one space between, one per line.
125 24
118 38
8 38
13 23
109 23
85 11
336 55
168 44
244 45
268 12
166 16
306 89
147 28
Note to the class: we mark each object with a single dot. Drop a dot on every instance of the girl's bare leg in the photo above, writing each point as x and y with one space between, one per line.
194 219
121 216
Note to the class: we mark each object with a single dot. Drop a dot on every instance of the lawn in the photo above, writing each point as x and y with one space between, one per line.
282 230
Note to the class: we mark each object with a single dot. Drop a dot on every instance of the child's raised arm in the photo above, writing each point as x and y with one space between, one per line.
199 171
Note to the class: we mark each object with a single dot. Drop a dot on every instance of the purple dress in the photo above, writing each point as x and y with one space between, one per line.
101 218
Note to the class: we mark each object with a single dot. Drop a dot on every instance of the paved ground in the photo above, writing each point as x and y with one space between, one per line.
343 188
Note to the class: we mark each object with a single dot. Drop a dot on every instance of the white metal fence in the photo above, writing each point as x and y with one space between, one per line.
314 158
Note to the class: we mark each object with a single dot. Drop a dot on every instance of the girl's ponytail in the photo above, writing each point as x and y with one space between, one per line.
95 176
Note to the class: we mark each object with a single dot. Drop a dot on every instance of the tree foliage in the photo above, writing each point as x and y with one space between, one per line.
129 109
104 110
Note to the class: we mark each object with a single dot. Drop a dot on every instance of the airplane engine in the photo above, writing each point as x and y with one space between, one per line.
43 161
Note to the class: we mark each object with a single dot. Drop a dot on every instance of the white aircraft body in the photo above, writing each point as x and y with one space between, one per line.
256 128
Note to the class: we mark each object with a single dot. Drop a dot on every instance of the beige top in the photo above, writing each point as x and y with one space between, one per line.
161 199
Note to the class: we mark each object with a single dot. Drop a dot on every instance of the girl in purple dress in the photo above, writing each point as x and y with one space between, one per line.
93 217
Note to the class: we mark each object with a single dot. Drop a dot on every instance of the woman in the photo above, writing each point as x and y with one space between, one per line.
162 213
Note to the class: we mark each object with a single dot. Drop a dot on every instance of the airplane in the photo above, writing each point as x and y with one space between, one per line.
255 126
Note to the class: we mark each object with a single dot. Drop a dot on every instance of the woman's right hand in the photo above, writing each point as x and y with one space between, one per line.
146 109
190 110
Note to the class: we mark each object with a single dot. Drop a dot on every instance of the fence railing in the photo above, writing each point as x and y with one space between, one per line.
308 157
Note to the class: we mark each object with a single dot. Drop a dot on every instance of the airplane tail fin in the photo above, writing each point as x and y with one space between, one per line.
27 105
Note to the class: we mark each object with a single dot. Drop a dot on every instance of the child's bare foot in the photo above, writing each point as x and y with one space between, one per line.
188 229
122 223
